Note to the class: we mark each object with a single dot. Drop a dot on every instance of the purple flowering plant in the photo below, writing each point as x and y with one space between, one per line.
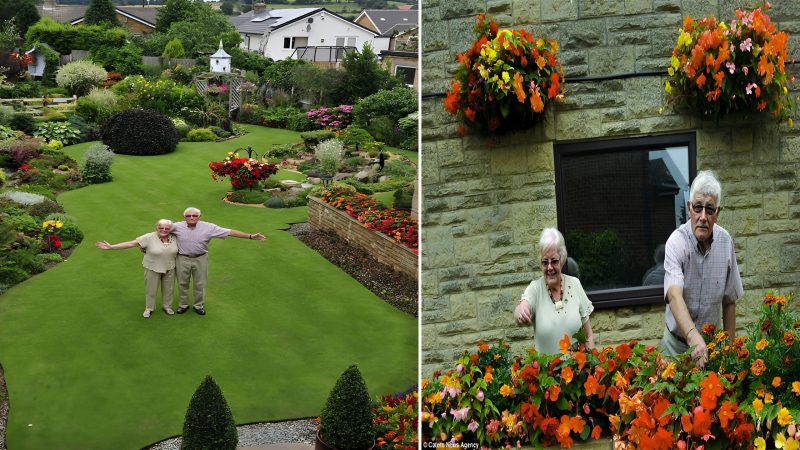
337 117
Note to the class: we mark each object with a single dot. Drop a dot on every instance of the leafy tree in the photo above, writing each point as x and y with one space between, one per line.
363 76
101 12
209 422
26 15
174 49
250 61
8 34
173 11
315 83
126 59
227 8
202 30
279 74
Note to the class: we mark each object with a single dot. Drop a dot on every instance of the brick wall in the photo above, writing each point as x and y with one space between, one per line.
483 208
384 249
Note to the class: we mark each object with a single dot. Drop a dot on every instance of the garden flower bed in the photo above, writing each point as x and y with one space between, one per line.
323 216
748 396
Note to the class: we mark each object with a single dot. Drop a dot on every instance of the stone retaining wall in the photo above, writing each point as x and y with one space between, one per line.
484 206
384 249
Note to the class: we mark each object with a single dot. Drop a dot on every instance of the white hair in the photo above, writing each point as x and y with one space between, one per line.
551 238
192 210
166 222
706 183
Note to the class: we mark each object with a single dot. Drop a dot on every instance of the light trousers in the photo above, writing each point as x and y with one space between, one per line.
152 280
670 345
195 271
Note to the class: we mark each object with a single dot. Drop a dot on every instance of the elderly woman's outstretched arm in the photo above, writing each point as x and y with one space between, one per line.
121 246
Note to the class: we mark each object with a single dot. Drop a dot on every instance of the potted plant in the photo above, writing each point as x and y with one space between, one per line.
346 421
504 80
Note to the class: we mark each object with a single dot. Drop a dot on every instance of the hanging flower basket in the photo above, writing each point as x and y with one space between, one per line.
718 68
505 80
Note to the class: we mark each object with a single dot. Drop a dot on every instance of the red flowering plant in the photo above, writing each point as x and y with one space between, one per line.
504 80
395 419
718 68
23 59
50 238
243 172
763 367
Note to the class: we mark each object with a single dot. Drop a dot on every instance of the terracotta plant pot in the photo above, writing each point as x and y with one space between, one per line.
319 444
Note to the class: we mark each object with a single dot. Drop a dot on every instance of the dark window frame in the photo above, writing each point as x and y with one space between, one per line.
632 296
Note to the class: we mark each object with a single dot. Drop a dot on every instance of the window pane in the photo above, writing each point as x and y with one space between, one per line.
405 74
618 203
287 42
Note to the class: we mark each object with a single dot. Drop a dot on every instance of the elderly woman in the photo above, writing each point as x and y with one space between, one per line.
160 250
555 303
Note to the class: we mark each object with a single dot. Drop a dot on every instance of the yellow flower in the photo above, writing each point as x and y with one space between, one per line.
792 444
671 72
506 77
674 62
796 387
791 123
768 398
785 91
760 443
668 87
540 43
758 405
505 390
784 417
762 344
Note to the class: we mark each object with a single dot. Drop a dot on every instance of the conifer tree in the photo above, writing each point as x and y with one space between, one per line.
101 12
209 423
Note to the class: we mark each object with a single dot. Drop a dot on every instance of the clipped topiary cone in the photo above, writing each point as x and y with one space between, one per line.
209 422
346 421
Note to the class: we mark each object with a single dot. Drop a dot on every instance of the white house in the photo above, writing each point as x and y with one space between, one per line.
310 33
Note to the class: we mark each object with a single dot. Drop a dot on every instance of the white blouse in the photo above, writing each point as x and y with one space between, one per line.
551 324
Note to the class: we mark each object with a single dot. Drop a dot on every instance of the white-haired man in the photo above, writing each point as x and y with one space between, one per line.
191 264
702 279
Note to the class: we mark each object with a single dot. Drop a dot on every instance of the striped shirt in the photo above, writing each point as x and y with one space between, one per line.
708 280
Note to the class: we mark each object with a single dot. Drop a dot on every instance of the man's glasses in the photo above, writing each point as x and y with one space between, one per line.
710 210
191 215
551 262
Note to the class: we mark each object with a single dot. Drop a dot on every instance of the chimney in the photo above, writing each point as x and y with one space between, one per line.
259 8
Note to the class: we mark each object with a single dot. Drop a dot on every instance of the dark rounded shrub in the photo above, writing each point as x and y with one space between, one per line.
45 208
140 132
209 422
22 122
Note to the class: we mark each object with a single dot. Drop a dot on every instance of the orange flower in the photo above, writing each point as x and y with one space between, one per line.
796 387
452 97
483 347
701 426
580 358
591 385
488 377
624 352
553 392
726 413
470 113
669 372
536 102
473 359
565 343
762 344
555 83
758 367
614 421
567 374
505 390
596 432
517 83
765 69
776 381
789 337
758 405
661 440
710 389
701 81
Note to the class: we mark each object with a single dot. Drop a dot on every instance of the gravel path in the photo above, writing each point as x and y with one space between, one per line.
289 431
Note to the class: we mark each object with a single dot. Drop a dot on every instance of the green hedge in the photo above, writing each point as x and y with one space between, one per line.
64 38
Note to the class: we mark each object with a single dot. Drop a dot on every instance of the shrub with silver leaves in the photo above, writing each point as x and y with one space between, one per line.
329 153
97 164
24 198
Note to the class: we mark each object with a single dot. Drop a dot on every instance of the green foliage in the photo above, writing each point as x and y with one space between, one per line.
220 132
140 132
165 96
173 11
354 136
79 77
174 49
409 131
126 59
399 169
24 223
152 44
98 106
363 76
26 15
63 38
209 423
299 122
22 122
200 135
249 197
275 202
250 61
252 114
37 189
600 255
6 133
97 164
346 420
52 63
43 209
315 83
278 116
312 138
203 29
403 197
10 274
2 179
58 131
101 12
52 115
284 151
181 126
6 112
394 104
279 73
227 8
70 232
371 188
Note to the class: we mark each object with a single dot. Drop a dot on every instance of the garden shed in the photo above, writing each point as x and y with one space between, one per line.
610 167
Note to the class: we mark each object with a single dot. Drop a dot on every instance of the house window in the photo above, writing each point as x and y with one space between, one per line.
406 74
346 41
617 203
294 42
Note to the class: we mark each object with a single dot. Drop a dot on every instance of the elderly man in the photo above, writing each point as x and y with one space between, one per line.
192 237
702 278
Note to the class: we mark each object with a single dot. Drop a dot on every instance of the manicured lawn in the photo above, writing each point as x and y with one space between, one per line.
86 371
387 198
412 155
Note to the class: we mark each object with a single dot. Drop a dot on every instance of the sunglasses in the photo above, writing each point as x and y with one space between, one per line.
710 210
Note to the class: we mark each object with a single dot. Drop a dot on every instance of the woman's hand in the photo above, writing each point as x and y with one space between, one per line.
103 244
522 313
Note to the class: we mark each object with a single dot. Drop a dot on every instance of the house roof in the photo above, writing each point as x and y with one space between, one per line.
75 13
274 19
389 21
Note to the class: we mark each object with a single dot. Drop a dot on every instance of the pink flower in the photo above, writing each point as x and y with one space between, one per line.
479 396
492 426
472 426
731 66
459 414
453 391
746 45
749 88
460 368
745 69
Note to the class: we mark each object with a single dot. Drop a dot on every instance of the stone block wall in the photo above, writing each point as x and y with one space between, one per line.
484 205
384 249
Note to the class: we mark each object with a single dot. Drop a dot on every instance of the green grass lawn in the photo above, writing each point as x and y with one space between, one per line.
86 371
412 155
